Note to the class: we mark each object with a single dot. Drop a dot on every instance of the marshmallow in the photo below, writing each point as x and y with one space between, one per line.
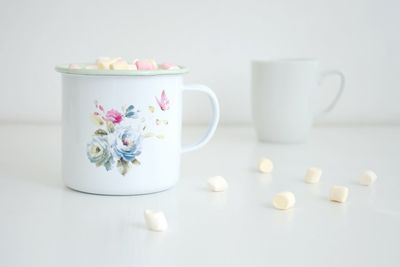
103 63
367 178
132 67
217 184
155 220
91 67
168 66
265 165
339 193
74 66
313 175
284 200
146 64
119 65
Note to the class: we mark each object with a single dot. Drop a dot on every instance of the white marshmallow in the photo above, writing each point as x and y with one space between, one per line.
132 67
265 165
339 193
119 65
217 184
284 200
91 67
155 220
313 175
367 178
103 63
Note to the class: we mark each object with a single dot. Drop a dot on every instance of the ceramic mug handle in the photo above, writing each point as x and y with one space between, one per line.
214 122
338 94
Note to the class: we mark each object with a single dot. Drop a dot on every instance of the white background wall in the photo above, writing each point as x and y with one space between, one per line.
215 39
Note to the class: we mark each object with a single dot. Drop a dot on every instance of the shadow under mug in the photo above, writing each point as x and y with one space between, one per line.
282 93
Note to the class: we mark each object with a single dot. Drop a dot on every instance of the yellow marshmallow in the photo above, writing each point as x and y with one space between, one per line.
313 175
339 193
284 200
265 165
217 184
119 65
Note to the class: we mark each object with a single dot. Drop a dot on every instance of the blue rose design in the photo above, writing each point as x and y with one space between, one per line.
98 152
127 144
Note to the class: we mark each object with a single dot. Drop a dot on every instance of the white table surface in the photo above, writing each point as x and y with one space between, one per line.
42 223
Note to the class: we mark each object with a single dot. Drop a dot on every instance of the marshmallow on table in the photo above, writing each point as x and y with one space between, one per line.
339 193
217 184
155 220
168 66
265 165
367 178
119 65
313 175
284 200
145 64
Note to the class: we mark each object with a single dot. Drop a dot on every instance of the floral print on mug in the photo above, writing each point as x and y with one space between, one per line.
118 139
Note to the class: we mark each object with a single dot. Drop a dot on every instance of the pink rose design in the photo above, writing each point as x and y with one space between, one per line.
113 116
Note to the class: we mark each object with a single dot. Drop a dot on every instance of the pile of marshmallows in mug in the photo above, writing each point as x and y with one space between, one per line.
118 63
156 221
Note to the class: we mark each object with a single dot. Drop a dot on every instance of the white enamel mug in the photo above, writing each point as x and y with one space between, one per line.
282 93
121 129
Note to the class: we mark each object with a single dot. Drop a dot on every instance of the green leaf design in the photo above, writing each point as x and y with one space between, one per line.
160 136
130 107
108 165
131 114
110 126
100 132
136 162
123 166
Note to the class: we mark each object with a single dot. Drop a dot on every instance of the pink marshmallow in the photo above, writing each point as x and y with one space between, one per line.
74 66
146 64
168 66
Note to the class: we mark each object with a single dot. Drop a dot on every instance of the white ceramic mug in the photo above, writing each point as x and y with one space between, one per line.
121 129
282 98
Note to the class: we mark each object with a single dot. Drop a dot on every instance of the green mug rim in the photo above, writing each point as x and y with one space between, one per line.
82 70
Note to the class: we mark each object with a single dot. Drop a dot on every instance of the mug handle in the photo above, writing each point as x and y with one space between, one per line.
338 94
215 118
